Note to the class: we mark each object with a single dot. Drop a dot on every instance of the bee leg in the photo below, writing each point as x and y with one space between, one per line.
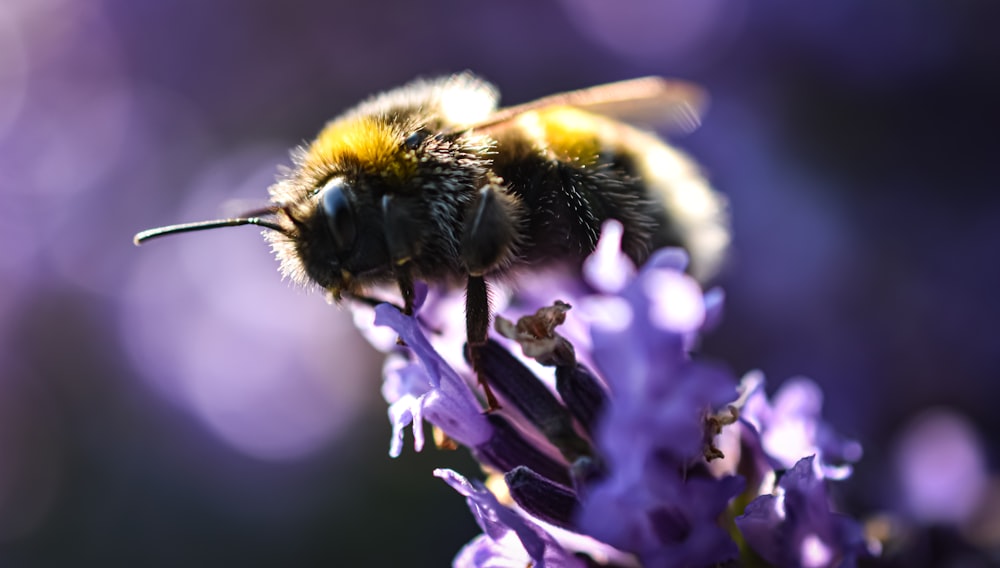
402 236
488 237
404 279
491 229
367 300
477 322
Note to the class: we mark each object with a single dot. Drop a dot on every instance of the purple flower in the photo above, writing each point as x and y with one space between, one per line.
660 395
666 520
508 539
791 427
653 501
610 456
432 390
795 527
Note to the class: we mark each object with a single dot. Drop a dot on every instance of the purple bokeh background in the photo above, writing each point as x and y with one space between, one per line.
179 405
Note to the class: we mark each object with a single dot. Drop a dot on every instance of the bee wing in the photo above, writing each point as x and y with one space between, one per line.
653 101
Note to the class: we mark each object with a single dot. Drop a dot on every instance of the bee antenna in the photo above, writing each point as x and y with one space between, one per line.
205 225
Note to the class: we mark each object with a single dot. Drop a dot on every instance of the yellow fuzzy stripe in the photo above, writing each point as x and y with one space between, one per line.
367 141
571 134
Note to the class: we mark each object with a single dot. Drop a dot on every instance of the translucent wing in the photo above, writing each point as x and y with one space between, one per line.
653 101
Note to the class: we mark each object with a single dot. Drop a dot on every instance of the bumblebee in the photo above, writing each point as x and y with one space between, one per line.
432 181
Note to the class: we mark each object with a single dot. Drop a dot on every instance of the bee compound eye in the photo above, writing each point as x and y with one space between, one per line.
339 214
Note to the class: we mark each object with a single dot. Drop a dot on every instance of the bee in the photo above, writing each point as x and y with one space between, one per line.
432 182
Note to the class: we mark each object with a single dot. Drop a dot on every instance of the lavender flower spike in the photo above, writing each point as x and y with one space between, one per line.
657 501
619 467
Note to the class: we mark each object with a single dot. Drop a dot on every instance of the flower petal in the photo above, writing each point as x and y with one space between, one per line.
449 404
498 523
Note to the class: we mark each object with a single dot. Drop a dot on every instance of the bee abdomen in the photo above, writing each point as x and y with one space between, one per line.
574 170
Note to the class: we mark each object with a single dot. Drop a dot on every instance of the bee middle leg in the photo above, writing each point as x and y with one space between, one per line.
489 236
477 324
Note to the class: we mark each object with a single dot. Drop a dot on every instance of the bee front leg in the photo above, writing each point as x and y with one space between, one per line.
489 237
404 279
403 238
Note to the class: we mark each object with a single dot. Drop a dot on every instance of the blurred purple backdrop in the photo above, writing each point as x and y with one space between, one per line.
180 405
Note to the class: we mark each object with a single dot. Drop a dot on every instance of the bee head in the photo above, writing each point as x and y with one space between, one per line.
330 238
382 187
373 193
